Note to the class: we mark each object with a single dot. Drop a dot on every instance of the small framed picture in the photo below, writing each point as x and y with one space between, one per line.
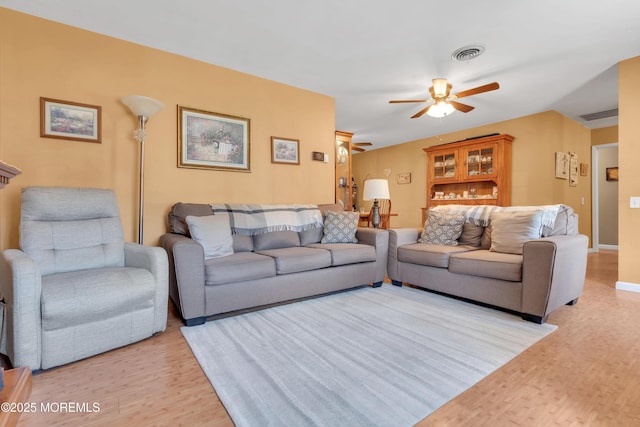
285 150
612 174
404 178
209 140
70 120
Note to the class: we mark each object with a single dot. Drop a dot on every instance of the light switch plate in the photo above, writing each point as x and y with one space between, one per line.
634 202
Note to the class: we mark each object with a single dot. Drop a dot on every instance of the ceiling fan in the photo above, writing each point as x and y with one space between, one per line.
444 103
357 146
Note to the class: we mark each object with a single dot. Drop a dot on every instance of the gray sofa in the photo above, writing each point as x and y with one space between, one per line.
264 269
548 273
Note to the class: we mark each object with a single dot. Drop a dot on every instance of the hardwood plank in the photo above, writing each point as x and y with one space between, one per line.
585 373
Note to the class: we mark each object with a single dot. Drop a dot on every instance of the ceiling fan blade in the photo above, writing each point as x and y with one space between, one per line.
357 149
477 90
407 100
421 112
363 144
461 107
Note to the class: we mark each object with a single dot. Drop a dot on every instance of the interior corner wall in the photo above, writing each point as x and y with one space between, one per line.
40 58
629 173
537 138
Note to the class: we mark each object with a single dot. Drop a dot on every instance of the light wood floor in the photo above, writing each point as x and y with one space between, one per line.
587 373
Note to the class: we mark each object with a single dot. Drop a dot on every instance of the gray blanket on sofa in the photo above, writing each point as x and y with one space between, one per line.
252 219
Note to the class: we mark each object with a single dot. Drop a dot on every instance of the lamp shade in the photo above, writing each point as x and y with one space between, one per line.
376 189
142 105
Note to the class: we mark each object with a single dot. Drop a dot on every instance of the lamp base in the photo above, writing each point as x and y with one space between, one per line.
375 214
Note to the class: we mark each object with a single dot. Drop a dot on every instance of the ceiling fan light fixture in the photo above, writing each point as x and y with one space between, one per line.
440 87
441 109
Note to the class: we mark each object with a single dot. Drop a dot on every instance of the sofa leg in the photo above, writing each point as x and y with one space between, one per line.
377 284
535 319
573 302
396 283
195 321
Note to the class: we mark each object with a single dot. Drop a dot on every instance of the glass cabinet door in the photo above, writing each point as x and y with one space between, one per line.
343 174
479 162
444 166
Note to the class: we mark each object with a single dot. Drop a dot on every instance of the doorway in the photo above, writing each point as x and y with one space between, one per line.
604 161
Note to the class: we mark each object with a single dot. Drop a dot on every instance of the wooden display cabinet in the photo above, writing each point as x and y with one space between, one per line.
344 193
470 172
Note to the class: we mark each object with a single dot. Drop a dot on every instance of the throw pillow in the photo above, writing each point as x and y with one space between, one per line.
340 227
442 228
510 230
213 232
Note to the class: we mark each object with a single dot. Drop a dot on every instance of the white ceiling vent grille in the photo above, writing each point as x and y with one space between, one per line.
600 115
467 53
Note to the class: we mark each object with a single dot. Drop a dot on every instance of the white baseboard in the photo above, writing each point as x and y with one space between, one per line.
626 286
612 247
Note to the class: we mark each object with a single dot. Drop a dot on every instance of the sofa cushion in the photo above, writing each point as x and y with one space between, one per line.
238 268
213 232
510 230
489 264
81 297
347 253
565 223
276 240
310 236
242 243
293 260
471 235
442 228
429 254
340 227
178 213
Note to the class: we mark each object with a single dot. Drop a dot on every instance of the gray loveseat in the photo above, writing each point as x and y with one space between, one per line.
267 268
548 272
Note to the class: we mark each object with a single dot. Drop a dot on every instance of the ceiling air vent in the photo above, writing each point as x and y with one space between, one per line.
600 115
467 53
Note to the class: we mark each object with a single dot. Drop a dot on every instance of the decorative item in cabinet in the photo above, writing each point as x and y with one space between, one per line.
343 170
475 171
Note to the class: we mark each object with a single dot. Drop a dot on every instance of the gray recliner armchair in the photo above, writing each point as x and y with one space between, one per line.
75 288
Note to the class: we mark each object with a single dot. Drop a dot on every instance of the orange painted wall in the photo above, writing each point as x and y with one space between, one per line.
40 58
629 175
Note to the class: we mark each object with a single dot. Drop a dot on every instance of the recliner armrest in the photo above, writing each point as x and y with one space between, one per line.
153 259
21 288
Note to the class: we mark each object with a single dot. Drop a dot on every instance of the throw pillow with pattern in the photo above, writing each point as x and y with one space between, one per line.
340 227
442 228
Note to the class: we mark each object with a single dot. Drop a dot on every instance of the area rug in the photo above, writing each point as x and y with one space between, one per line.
385 356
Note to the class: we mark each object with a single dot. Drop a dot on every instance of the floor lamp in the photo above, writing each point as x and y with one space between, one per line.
375 189
143 108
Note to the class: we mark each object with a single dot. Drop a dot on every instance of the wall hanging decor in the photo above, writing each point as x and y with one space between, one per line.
70 120
612 174
285 150
216 141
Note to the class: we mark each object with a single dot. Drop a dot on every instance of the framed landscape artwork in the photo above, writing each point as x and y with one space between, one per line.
215 141
70 120
285 150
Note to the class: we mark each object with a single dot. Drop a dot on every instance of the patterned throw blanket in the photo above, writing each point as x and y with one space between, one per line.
481 214
252 219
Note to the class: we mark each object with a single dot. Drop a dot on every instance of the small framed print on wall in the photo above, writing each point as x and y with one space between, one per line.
612 174
70 120
285 150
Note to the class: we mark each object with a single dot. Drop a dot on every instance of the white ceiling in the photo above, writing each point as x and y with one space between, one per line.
546 54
